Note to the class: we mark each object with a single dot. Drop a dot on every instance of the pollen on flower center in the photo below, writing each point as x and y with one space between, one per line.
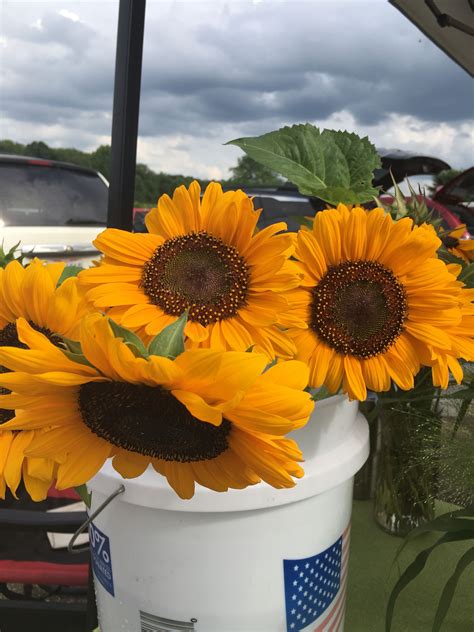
358 308
198 272
149 420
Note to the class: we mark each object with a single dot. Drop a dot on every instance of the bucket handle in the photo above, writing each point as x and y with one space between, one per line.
86 523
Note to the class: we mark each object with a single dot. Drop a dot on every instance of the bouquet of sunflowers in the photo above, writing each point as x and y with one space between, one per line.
195 348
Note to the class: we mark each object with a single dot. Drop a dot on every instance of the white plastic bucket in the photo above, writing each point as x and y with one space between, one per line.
253 560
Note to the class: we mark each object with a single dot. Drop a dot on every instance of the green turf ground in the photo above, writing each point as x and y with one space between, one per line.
372 576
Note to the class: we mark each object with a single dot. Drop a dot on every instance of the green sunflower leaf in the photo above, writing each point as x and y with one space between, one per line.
85 494
80 358
450 588
170 342
415 568
467 274
68 272
73 350
7 257
72 345
331 165
130 339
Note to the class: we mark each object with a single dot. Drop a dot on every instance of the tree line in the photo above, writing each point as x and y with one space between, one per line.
149 185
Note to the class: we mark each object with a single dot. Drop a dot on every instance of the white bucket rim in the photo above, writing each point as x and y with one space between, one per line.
322 472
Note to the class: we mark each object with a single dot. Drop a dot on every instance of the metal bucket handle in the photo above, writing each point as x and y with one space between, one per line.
86 523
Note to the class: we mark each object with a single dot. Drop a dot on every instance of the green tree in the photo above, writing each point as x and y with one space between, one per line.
251 173
100 160
38 149
10 147
149 185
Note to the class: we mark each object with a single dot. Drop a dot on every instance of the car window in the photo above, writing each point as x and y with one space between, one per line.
281 208
422 181
33 195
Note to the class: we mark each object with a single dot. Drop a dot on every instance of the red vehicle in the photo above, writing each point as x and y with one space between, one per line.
454 202
457 198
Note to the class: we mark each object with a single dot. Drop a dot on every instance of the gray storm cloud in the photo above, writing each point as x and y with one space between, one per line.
213 65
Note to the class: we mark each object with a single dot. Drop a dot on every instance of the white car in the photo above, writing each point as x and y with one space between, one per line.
54 209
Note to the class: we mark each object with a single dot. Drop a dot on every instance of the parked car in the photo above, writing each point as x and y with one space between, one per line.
139 215
54 209
285 203
457 197
280 204
453 202
405 165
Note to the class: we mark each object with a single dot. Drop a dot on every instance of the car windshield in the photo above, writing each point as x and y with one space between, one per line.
462 189
33 195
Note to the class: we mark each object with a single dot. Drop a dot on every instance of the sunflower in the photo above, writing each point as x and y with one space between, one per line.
458 245
37 473
204 256
32 293
444 362
208 416
376 299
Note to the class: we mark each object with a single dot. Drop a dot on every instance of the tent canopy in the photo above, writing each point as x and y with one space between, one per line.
448 23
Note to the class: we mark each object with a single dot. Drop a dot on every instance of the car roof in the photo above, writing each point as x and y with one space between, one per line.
46 162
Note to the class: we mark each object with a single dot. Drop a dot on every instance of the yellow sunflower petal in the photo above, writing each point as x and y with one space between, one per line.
6 439
326 230
379 225
38 291
36 487
398 370
309 251
293 374
375 375
321 360
13 466
130 464
122 246
180 478
83 461
12 281
353 379
355 235
166 220
198 407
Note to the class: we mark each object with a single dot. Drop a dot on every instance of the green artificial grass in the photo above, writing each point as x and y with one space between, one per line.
373 573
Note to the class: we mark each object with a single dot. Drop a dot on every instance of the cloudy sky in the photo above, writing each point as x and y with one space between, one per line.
214 71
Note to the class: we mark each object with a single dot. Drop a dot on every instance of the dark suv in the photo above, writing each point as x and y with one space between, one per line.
54 209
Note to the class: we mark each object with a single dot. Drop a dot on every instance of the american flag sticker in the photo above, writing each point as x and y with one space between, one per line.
315 589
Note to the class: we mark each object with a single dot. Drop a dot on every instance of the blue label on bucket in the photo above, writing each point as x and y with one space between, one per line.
101 558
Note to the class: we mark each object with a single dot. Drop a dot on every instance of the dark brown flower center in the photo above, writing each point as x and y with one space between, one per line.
150 421
358 308
9 338
198 272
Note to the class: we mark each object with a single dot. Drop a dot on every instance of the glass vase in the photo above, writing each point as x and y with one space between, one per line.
406 477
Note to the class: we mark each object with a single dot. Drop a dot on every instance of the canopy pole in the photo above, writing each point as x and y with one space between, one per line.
128 70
